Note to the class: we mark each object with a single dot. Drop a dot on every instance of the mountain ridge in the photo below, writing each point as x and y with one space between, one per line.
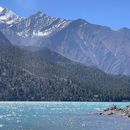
32 76
78 40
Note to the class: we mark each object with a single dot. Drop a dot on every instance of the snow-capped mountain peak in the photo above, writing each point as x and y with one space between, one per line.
39 25
8 17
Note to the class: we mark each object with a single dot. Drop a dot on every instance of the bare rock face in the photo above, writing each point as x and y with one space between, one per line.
114 110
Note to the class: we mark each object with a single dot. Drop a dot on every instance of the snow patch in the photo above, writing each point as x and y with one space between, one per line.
1 9
1 125
46 33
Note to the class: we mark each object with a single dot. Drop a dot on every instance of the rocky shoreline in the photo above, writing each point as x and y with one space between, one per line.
114 110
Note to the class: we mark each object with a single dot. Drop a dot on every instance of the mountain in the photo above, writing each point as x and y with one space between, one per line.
77 40
51 55
8 17
32 76
40 25
37 26
93 45
27 31
4 40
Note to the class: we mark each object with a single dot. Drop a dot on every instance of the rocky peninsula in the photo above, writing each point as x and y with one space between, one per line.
115 110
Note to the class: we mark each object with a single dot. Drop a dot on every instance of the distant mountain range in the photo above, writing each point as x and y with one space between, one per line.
51 59
78 40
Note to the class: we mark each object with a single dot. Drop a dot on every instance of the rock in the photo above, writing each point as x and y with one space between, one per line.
106 109
110 113
114 110
100 113
113 107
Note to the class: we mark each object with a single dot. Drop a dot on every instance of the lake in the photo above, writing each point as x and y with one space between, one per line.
60 116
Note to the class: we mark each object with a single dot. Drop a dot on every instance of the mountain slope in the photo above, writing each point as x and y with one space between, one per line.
47 54
78 40
93 45
4 40
32 76
7 19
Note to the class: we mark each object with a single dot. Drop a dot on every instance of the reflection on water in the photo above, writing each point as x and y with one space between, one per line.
59 116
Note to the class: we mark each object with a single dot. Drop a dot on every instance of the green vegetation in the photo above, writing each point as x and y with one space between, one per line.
38 76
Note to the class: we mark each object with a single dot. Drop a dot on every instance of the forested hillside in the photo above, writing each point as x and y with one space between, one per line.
47 76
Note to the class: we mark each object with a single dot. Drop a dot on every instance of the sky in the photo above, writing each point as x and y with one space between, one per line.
112 13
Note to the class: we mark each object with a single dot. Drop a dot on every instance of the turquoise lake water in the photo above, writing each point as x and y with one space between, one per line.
59 116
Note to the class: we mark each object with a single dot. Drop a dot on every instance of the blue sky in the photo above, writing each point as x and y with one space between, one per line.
113 13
